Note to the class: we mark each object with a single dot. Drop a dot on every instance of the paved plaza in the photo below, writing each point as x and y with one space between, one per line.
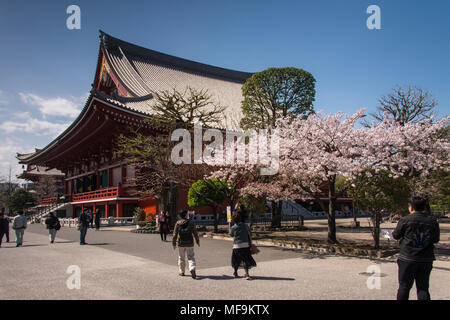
123 265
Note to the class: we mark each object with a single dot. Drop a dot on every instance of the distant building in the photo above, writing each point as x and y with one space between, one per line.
34 173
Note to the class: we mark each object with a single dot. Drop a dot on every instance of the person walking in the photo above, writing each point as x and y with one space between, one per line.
417 233
4 226
83 221
53 225
183 234
163 225
19 226
91 218
97 219
241 256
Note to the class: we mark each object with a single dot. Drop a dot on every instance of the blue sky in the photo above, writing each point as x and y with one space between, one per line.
46 70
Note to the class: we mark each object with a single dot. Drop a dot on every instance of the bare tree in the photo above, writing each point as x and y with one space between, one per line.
186 108
151 152
46 187
406 104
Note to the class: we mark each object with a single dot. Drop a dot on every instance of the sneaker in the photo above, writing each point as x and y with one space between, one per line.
247 277
181 274
235 275
194 276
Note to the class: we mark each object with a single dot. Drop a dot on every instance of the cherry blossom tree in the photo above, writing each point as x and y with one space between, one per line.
315 151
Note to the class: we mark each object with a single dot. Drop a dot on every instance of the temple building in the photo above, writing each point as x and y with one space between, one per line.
34 174
126 79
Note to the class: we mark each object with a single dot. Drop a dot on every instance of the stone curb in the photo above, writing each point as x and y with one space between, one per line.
144 231
321 249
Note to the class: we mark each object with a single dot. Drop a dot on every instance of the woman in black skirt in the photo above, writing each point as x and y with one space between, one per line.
241 257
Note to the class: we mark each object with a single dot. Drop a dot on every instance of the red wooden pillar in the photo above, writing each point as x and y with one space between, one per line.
118 209
106 210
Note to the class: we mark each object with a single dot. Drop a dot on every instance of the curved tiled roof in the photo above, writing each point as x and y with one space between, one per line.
143 72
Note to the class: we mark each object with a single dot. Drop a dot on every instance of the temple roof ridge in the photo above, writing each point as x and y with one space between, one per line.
109 42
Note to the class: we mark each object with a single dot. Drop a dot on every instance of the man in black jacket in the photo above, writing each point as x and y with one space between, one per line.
4 226
84 221
417 233
53 225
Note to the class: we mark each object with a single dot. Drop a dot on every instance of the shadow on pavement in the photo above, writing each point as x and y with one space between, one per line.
99 244
33 245
226 277
222 277
272 278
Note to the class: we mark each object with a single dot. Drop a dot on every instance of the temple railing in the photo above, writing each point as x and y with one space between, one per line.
47 201
111 221
97 194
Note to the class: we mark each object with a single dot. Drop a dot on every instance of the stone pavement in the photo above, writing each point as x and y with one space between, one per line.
124 265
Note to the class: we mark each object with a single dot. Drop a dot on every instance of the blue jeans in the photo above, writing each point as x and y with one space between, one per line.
19 235
52 234
83 232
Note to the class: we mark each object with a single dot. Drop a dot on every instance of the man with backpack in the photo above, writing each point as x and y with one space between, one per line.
53 225
417 233
19 226
184 234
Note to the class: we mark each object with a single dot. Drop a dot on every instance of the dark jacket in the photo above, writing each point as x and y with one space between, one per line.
84 219
241 235
189 228
417 234
4 224
97 218
51 222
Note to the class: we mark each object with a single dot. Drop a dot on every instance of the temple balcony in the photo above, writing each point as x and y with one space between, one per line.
107 193
48 201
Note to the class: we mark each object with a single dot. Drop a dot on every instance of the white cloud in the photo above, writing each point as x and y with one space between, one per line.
8 150
53 106
35 126
3 99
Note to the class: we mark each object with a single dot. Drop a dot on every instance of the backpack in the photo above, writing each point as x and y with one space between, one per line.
57 226
18 225
185 234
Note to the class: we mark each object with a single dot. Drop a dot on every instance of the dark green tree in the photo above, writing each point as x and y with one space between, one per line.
274 93
21 200
374 192
207 192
